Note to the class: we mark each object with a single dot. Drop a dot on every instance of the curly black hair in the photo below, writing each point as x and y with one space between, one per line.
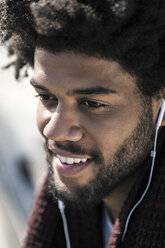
130 32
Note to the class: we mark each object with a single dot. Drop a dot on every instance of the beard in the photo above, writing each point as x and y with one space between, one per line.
128 158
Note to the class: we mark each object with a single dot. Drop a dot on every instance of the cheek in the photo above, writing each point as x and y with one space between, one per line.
109 132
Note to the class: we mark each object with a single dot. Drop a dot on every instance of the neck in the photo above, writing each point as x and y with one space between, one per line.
115 201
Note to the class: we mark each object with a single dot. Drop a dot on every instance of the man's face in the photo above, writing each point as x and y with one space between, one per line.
98 128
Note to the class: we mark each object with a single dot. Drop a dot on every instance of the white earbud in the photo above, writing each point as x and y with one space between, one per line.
161 114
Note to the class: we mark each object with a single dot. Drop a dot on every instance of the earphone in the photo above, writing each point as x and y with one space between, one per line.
161 114
153 155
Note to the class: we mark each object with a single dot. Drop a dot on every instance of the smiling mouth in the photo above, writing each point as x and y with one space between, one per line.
69 166
72 161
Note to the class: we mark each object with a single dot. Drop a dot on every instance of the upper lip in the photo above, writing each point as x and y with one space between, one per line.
67 154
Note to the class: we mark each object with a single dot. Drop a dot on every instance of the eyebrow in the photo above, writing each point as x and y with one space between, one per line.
38 86
97 90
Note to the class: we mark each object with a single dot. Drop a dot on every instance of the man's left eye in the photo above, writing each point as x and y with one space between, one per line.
93 104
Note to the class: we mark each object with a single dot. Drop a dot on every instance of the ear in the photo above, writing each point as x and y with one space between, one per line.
163 121
157 104
163 96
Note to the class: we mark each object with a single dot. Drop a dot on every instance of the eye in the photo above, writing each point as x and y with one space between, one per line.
46 98
91 104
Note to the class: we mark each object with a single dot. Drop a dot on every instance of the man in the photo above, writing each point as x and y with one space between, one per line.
99 76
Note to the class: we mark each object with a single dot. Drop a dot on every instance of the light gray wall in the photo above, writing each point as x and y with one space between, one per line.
19 138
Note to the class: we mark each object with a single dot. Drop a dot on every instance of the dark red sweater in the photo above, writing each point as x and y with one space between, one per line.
146 228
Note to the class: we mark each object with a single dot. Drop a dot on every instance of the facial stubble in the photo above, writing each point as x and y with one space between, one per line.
126 161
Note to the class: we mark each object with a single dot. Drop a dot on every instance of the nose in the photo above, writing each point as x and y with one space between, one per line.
63 126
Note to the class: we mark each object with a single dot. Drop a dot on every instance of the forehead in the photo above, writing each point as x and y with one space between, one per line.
70 68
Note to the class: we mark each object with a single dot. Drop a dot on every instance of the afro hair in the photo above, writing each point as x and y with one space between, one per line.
130 32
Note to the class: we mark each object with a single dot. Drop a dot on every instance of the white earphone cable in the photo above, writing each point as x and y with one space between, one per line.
153 155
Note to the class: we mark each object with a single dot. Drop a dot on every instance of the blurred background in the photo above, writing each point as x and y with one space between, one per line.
22 159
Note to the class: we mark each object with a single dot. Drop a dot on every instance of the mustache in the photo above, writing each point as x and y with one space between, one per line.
75 149
69 147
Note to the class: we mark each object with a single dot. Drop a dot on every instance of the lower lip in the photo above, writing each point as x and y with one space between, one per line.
69 169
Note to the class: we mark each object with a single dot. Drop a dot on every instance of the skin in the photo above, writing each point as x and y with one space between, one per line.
67 116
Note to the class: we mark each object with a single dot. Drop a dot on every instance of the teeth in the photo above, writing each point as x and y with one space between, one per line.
63 159
84 160
77 160
71 160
